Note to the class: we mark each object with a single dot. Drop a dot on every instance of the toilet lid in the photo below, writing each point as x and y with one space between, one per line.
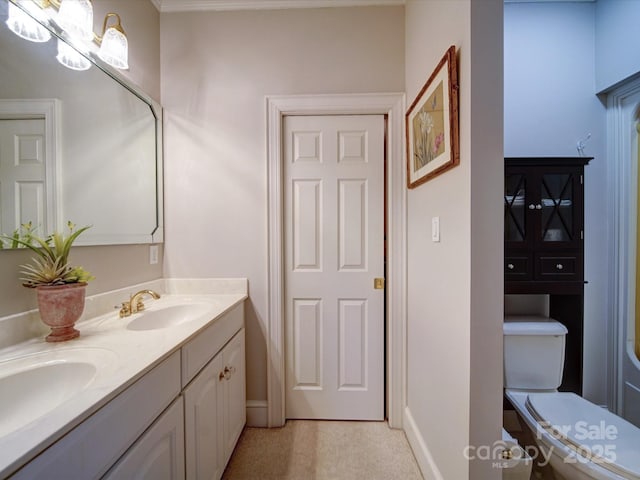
589 430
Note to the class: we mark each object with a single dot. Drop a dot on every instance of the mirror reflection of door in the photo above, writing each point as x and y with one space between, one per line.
22 174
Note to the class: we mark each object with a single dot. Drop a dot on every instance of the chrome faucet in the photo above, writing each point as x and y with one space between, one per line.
135 304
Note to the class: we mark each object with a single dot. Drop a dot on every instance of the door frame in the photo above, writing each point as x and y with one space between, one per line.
391 105
622 363
48 109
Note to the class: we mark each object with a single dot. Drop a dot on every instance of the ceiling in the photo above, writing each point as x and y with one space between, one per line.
222 5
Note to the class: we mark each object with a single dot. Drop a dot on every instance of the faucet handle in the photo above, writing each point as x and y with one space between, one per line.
139 305
125 310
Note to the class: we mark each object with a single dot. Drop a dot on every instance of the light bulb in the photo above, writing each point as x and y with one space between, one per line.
20 23
114 49
76 18
71 58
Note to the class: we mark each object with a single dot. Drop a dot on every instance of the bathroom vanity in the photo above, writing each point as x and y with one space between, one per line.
544 243
164 397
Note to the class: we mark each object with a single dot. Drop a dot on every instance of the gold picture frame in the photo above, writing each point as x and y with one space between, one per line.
432 124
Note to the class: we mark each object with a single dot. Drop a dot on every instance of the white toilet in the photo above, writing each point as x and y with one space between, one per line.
578 438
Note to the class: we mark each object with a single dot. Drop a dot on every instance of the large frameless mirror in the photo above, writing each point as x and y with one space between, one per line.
81 146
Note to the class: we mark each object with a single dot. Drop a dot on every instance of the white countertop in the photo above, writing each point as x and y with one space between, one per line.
123 356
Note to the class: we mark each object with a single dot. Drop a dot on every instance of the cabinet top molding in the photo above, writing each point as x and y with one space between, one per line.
540 161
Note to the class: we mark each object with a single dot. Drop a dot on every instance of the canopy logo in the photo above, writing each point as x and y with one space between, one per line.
581 442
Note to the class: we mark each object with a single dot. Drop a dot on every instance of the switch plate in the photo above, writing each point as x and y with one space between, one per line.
435 229
153 254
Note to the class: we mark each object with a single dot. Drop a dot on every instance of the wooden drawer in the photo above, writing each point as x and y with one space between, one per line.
554 267
517 268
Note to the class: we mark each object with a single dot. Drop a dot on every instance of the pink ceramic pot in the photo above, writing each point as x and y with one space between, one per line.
60 308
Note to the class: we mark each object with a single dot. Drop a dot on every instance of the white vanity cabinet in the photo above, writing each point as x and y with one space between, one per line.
181 419
92 447
215 412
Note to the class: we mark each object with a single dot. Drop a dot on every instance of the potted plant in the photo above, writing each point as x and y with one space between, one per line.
60 288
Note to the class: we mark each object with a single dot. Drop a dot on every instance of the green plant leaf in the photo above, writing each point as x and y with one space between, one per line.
50 267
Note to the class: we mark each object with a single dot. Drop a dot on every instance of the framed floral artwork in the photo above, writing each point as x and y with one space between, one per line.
432 124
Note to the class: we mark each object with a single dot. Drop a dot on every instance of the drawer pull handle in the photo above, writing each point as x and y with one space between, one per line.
559 266
538 207
510 266
532 206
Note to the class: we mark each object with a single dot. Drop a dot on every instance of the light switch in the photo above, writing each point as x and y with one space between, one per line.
153 254
435 229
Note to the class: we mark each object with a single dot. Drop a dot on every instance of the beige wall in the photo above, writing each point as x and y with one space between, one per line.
217 68
455 286
113 266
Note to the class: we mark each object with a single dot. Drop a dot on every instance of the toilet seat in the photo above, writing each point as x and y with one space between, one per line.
591 431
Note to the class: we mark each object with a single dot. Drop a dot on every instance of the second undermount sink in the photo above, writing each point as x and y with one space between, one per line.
33 385
169 316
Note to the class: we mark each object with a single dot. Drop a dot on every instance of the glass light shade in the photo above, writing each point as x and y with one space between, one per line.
76 18
114 49
71 58
20 23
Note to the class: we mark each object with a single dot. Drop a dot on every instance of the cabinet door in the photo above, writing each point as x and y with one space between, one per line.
517 186
234 393
543 207
560 208
203 400
159 453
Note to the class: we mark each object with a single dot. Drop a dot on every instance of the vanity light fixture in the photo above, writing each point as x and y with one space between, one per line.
75 18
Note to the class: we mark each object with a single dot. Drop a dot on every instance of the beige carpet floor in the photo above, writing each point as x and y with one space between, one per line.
319 450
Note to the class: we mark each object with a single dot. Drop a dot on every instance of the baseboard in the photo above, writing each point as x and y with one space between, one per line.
419 447
257 413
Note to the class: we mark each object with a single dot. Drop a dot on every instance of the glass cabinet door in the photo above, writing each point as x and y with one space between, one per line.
557 207
515 187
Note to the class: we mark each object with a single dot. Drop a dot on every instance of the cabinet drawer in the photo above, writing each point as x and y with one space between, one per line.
558 267
517 268
197 353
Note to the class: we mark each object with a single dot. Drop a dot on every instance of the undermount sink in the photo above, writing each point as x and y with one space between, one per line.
33 385
169 316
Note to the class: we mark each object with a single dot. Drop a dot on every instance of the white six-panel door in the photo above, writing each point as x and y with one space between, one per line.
334 249
22 175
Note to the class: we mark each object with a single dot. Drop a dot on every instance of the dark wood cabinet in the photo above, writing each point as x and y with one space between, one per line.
544 242
544 224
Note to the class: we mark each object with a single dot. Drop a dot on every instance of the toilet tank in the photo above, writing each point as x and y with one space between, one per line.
533 352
